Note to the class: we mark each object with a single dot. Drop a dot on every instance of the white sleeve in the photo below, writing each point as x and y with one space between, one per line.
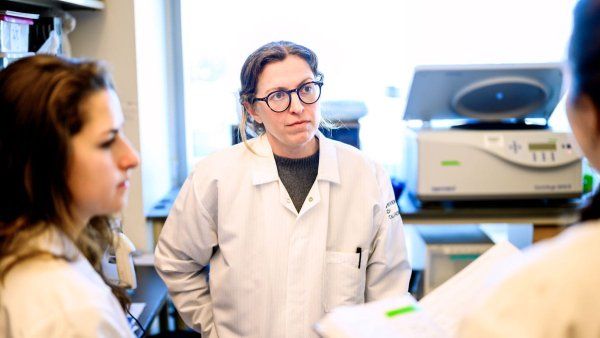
388 269
89 321
184 249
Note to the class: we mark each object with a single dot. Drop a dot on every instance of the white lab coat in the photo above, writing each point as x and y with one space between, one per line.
552 292
274 271
44 297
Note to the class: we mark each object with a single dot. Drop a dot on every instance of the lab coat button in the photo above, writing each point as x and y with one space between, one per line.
310 199
289 200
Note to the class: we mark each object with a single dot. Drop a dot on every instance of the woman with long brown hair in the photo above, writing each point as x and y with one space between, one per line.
64 164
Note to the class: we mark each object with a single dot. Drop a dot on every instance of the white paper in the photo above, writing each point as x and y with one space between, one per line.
449 302
394 317
437 315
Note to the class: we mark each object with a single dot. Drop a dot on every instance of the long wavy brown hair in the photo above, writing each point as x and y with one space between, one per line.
41 100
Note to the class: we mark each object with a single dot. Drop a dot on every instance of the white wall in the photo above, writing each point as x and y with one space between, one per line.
131 38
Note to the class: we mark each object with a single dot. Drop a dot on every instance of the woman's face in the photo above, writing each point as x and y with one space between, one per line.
583 119
291 133
101 159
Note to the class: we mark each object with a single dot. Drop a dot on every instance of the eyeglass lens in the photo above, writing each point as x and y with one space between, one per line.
307 93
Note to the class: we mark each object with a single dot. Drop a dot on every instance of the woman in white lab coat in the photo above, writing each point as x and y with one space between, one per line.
554 290
64 168
292 224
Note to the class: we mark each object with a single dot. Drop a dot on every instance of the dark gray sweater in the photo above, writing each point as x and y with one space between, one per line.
298 176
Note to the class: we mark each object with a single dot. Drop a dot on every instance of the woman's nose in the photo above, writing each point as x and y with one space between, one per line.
129 157
296 105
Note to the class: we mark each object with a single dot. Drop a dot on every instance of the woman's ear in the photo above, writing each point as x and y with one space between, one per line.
250 109
584 107
585 123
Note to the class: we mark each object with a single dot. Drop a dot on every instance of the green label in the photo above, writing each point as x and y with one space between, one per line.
450 163
401 311
463 257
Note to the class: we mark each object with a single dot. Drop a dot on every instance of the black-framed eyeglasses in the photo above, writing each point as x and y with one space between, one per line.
280 100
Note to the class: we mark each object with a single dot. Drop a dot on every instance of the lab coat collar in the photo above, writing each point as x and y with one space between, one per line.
265 170
328 161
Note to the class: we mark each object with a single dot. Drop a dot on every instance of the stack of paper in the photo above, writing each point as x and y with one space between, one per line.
394 317
437 315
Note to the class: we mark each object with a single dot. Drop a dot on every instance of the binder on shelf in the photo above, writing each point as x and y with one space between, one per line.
14 31
16 14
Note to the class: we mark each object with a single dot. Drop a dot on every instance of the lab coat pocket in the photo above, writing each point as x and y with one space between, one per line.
343 281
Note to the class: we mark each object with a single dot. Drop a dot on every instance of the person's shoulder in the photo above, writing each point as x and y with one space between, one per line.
573 243
574 251
344 148
84 321
220 161
219 155
558 274
564 262
354 163
348 153
50 287
50 312
580 234
37 271
52 279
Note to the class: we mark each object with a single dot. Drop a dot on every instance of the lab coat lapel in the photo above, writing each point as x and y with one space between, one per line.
328 173
264 170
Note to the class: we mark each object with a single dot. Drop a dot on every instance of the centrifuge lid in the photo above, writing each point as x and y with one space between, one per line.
484 92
